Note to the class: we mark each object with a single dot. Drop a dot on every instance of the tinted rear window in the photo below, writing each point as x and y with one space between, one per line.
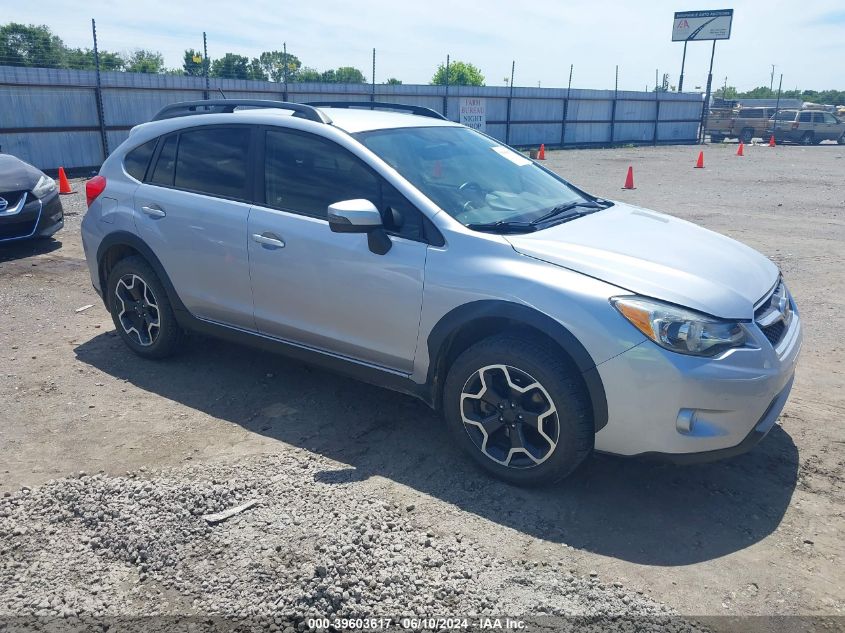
166 162
135 163
214 161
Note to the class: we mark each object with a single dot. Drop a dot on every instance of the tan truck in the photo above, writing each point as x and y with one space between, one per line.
740 123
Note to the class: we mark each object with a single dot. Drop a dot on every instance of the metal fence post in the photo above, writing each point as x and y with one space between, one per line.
656 115
446 95
205 65
613 109
566 108
98 93
510 99
373 92
285 70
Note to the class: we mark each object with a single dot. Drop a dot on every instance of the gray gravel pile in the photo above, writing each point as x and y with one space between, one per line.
139 544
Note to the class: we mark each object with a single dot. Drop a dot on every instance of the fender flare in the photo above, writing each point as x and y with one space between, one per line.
464 315
124 238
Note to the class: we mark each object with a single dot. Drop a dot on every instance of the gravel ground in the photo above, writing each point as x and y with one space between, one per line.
139 544
333 463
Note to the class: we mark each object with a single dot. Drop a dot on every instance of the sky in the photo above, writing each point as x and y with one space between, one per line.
803 40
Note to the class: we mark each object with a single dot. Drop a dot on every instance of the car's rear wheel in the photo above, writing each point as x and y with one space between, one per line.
746 135
519 409
141 310
716 138
806 138
841 140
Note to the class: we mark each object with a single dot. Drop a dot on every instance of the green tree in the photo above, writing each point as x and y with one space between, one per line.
255 71
189 66
273 63
460 74
308 74
144 61
723 93
83 59
349 75
393 81
30 45
230 66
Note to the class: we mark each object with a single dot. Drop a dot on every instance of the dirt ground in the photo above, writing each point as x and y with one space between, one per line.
758 534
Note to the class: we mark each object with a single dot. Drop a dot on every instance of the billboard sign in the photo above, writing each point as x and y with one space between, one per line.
702 25
474 113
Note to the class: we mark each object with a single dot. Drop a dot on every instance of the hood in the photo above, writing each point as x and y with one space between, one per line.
16 175
658 256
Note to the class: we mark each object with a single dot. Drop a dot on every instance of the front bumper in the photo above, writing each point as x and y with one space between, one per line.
37 218
687 408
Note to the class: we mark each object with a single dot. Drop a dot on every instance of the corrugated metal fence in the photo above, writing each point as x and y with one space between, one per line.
50 117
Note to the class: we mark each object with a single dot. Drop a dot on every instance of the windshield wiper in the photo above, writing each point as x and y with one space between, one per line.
504 226
569 206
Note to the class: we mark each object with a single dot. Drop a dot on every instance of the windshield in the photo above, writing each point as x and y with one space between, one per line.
470 176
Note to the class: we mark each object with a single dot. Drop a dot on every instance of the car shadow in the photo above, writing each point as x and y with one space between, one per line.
20 249
645 512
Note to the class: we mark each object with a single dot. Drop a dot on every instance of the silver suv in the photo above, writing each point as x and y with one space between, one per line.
808 127
426 257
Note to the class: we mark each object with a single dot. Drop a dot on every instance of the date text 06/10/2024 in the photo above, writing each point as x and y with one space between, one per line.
416 623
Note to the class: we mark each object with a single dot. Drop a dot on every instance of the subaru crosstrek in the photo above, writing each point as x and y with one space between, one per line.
424 256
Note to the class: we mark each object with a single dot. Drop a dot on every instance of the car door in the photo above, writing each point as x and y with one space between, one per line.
322 289
192 211
831 126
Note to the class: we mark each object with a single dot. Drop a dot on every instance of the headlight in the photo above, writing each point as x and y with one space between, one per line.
44 186
678 329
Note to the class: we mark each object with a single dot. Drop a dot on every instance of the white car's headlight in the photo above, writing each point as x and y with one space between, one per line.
678 329
44 186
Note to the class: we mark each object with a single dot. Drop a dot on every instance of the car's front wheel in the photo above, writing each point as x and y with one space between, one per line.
841 140
141 310
520 409
807 138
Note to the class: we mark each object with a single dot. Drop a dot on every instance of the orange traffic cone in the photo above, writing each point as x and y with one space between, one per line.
64 185
629 179
699 164
772 140
740 151
542 154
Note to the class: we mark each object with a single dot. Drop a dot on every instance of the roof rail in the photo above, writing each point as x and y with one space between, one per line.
215 106
380 105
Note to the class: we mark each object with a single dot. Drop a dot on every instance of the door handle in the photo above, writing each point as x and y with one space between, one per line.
154 211
268 239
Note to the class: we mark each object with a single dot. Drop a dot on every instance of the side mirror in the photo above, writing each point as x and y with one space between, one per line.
360 216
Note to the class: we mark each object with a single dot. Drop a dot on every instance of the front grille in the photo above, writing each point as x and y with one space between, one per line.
774 333
12 198
772 321
20 224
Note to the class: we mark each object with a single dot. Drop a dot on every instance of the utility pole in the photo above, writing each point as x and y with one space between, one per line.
772 80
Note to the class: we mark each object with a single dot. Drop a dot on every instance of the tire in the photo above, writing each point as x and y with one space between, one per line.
806 138
509 446
141 310
841 140
716 138
746 135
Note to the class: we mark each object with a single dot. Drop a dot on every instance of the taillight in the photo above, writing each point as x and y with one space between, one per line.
94 188
795 125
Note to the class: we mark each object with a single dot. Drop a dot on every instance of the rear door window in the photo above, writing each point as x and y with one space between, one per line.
136 161
818 117
805 117
214 161
165 163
